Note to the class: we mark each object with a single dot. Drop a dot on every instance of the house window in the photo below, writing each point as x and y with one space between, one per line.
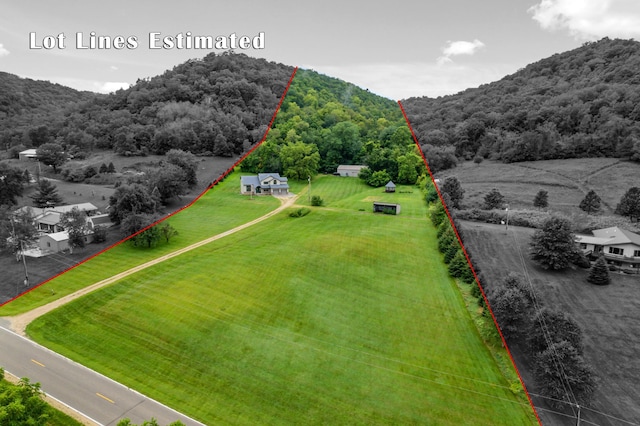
583 246
48 244
247 188
616 250
636 253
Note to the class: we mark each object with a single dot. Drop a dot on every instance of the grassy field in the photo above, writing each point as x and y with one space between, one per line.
218 210
609 317
567 181
338 317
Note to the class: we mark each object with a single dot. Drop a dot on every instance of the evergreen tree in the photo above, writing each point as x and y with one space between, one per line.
590 203
452 187
541 199
493 199
629 204
103 168
46 195
111 168
599 272
553 246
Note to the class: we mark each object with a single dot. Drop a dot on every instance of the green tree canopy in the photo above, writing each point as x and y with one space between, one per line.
299 160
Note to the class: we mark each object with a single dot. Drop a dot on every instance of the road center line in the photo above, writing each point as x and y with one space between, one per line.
105 398
36 362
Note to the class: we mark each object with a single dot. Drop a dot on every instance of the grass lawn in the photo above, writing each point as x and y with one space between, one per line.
339 317
220 209
566 181
608 315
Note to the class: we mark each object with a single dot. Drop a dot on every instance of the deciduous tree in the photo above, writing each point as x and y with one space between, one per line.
51 154
493 199
299 160
75 223
11 184
131 199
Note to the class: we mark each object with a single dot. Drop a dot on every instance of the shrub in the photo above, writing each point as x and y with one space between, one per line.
317 201
302 211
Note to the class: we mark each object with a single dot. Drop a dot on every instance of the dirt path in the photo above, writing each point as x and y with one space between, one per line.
19 323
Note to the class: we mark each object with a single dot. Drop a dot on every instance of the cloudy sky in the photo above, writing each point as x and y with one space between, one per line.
396 49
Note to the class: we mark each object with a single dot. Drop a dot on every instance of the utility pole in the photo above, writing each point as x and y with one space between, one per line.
578 423
24 262
309 195
507 227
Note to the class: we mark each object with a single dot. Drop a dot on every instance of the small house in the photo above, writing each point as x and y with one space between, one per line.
390 187
388 208
349 170
264 184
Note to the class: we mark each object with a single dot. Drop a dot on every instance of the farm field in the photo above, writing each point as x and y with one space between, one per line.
608 315
338 317
216 211
567 181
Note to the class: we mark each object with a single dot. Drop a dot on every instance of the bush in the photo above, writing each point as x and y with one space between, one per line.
302 211
317 201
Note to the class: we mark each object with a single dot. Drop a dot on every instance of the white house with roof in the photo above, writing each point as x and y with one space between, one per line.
618 246
264 184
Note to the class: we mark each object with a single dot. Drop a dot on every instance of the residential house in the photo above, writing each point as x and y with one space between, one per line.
349 170
618 246
264 184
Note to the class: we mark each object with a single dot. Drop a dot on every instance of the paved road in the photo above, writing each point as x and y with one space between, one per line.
89 393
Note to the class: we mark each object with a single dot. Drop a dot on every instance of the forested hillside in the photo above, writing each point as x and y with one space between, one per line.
325 122
581 103
219 105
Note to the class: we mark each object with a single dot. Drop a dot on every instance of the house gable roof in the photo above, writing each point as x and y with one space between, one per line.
617 235
610 236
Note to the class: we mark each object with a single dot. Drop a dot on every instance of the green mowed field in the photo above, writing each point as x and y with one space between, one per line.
218 210
338 317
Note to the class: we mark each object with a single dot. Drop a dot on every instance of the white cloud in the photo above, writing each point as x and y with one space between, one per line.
454 48
589 19
3 51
